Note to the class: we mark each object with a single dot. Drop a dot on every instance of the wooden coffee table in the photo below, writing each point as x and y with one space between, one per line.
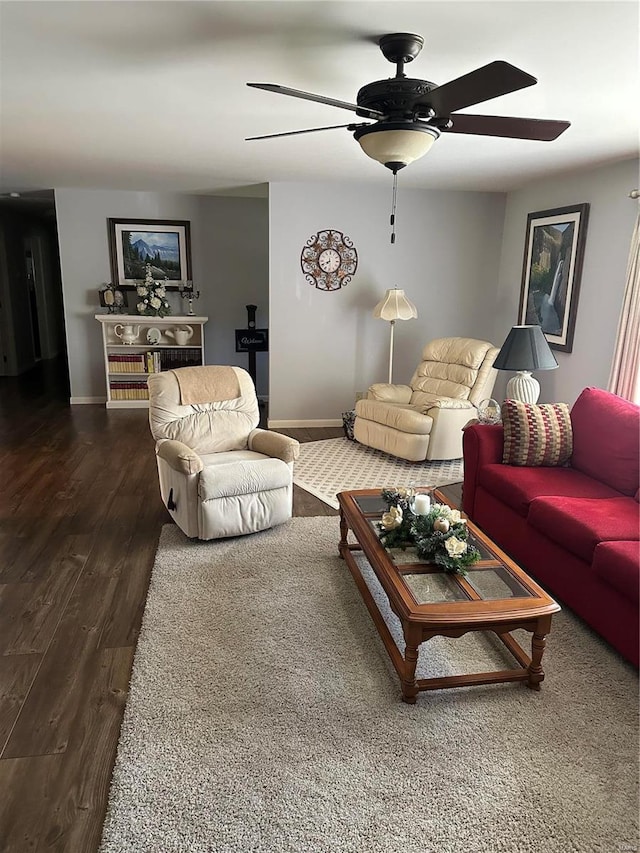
496 595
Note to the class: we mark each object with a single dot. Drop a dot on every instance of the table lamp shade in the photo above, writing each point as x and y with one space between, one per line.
524 350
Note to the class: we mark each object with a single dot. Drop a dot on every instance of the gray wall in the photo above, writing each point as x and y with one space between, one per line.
611 219
236 248
326 346
458 256
229 251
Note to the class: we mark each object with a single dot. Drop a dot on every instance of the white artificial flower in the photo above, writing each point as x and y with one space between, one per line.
392 519
141 307
155 302
404 492
455 547
160 291
452 515
141 290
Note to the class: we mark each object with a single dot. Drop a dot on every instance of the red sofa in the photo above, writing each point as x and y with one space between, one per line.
576 528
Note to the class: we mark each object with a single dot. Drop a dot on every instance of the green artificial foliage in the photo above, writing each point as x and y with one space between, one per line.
440 537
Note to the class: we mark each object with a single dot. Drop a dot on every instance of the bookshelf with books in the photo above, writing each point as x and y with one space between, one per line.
135 346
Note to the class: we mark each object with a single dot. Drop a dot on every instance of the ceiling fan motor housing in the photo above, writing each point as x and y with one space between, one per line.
395 97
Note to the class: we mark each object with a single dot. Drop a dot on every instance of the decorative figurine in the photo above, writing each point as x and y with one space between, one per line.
187 292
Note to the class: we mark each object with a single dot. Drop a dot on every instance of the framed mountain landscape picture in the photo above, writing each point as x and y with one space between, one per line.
163 244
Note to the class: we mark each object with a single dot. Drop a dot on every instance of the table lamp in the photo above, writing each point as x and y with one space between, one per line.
393 306
524 350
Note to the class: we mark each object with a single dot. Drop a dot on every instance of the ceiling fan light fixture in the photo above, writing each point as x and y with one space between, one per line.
396 144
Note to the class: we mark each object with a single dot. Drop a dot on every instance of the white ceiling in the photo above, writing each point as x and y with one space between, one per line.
151 95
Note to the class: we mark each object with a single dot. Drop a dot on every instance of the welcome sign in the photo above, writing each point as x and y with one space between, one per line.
252 340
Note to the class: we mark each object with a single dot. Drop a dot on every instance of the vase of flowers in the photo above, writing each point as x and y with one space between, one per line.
153 296
439 536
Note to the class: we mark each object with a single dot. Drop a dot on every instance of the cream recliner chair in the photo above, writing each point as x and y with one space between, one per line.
219 475
424 420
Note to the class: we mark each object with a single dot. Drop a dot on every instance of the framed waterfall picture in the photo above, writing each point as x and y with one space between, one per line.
164 244
553 255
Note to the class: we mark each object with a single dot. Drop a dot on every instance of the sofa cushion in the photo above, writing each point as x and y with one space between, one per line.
204 427
245 477
579 524
536 435
605 439
394 415
618 564
517 487
452 367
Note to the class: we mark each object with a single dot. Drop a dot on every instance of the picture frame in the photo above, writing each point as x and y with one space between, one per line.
112 299
552 270
164 243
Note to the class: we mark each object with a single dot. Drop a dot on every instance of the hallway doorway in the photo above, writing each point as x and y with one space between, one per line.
31 307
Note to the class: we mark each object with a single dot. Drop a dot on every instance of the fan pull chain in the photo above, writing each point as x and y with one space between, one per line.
392 220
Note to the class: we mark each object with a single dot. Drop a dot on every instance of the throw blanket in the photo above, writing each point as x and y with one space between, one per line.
207 384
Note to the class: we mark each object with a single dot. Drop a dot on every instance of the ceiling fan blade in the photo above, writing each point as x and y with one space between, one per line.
492 80
544 130
309 130
320 99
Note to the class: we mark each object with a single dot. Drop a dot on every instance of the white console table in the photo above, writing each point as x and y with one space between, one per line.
148 349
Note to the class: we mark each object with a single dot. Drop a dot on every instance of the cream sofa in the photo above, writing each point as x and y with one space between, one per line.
219 475
424 420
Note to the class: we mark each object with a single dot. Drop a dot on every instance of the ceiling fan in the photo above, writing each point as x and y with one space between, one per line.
408 115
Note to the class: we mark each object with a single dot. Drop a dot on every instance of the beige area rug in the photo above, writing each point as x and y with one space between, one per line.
264 715
327 467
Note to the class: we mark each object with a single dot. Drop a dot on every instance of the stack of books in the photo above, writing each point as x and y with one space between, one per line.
134 363
135 390
153 361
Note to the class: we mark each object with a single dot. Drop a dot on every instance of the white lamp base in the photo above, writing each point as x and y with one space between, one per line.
524 387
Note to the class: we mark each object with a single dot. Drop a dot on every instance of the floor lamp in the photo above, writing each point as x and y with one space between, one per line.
393 306
524 350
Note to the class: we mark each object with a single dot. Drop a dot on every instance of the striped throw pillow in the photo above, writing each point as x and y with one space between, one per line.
536 435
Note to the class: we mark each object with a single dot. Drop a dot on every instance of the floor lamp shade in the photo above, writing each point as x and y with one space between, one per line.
524 350
393 306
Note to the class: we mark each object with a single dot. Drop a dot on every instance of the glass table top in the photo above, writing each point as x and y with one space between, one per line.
488 579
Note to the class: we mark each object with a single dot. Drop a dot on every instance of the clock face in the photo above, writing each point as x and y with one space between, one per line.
329 260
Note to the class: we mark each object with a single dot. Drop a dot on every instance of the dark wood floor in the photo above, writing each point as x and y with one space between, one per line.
80 517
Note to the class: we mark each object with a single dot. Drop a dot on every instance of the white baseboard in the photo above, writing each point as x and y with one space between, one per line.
87 401
333 422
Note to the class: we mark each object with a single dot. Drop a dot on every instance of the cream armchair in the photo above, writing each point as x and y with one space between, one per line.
424 420
219 474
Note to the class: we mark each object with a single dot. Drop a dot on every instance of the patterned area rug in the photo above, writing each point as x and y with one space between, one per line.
264 716
337 465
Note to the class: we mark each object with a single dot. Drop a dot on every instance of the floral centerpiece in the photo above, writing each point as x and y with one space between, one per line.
153 296
439 536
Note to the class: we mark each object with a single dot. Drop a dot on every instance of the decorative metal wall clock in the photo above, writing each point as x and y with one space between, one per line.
329 260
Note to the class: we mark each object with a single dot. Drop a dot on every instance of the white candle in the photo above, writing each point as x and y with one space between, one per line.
421 504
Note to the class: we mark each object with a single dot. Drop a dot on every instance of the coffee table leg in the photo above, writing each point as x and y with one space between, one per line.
538 643
409 686
344 529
